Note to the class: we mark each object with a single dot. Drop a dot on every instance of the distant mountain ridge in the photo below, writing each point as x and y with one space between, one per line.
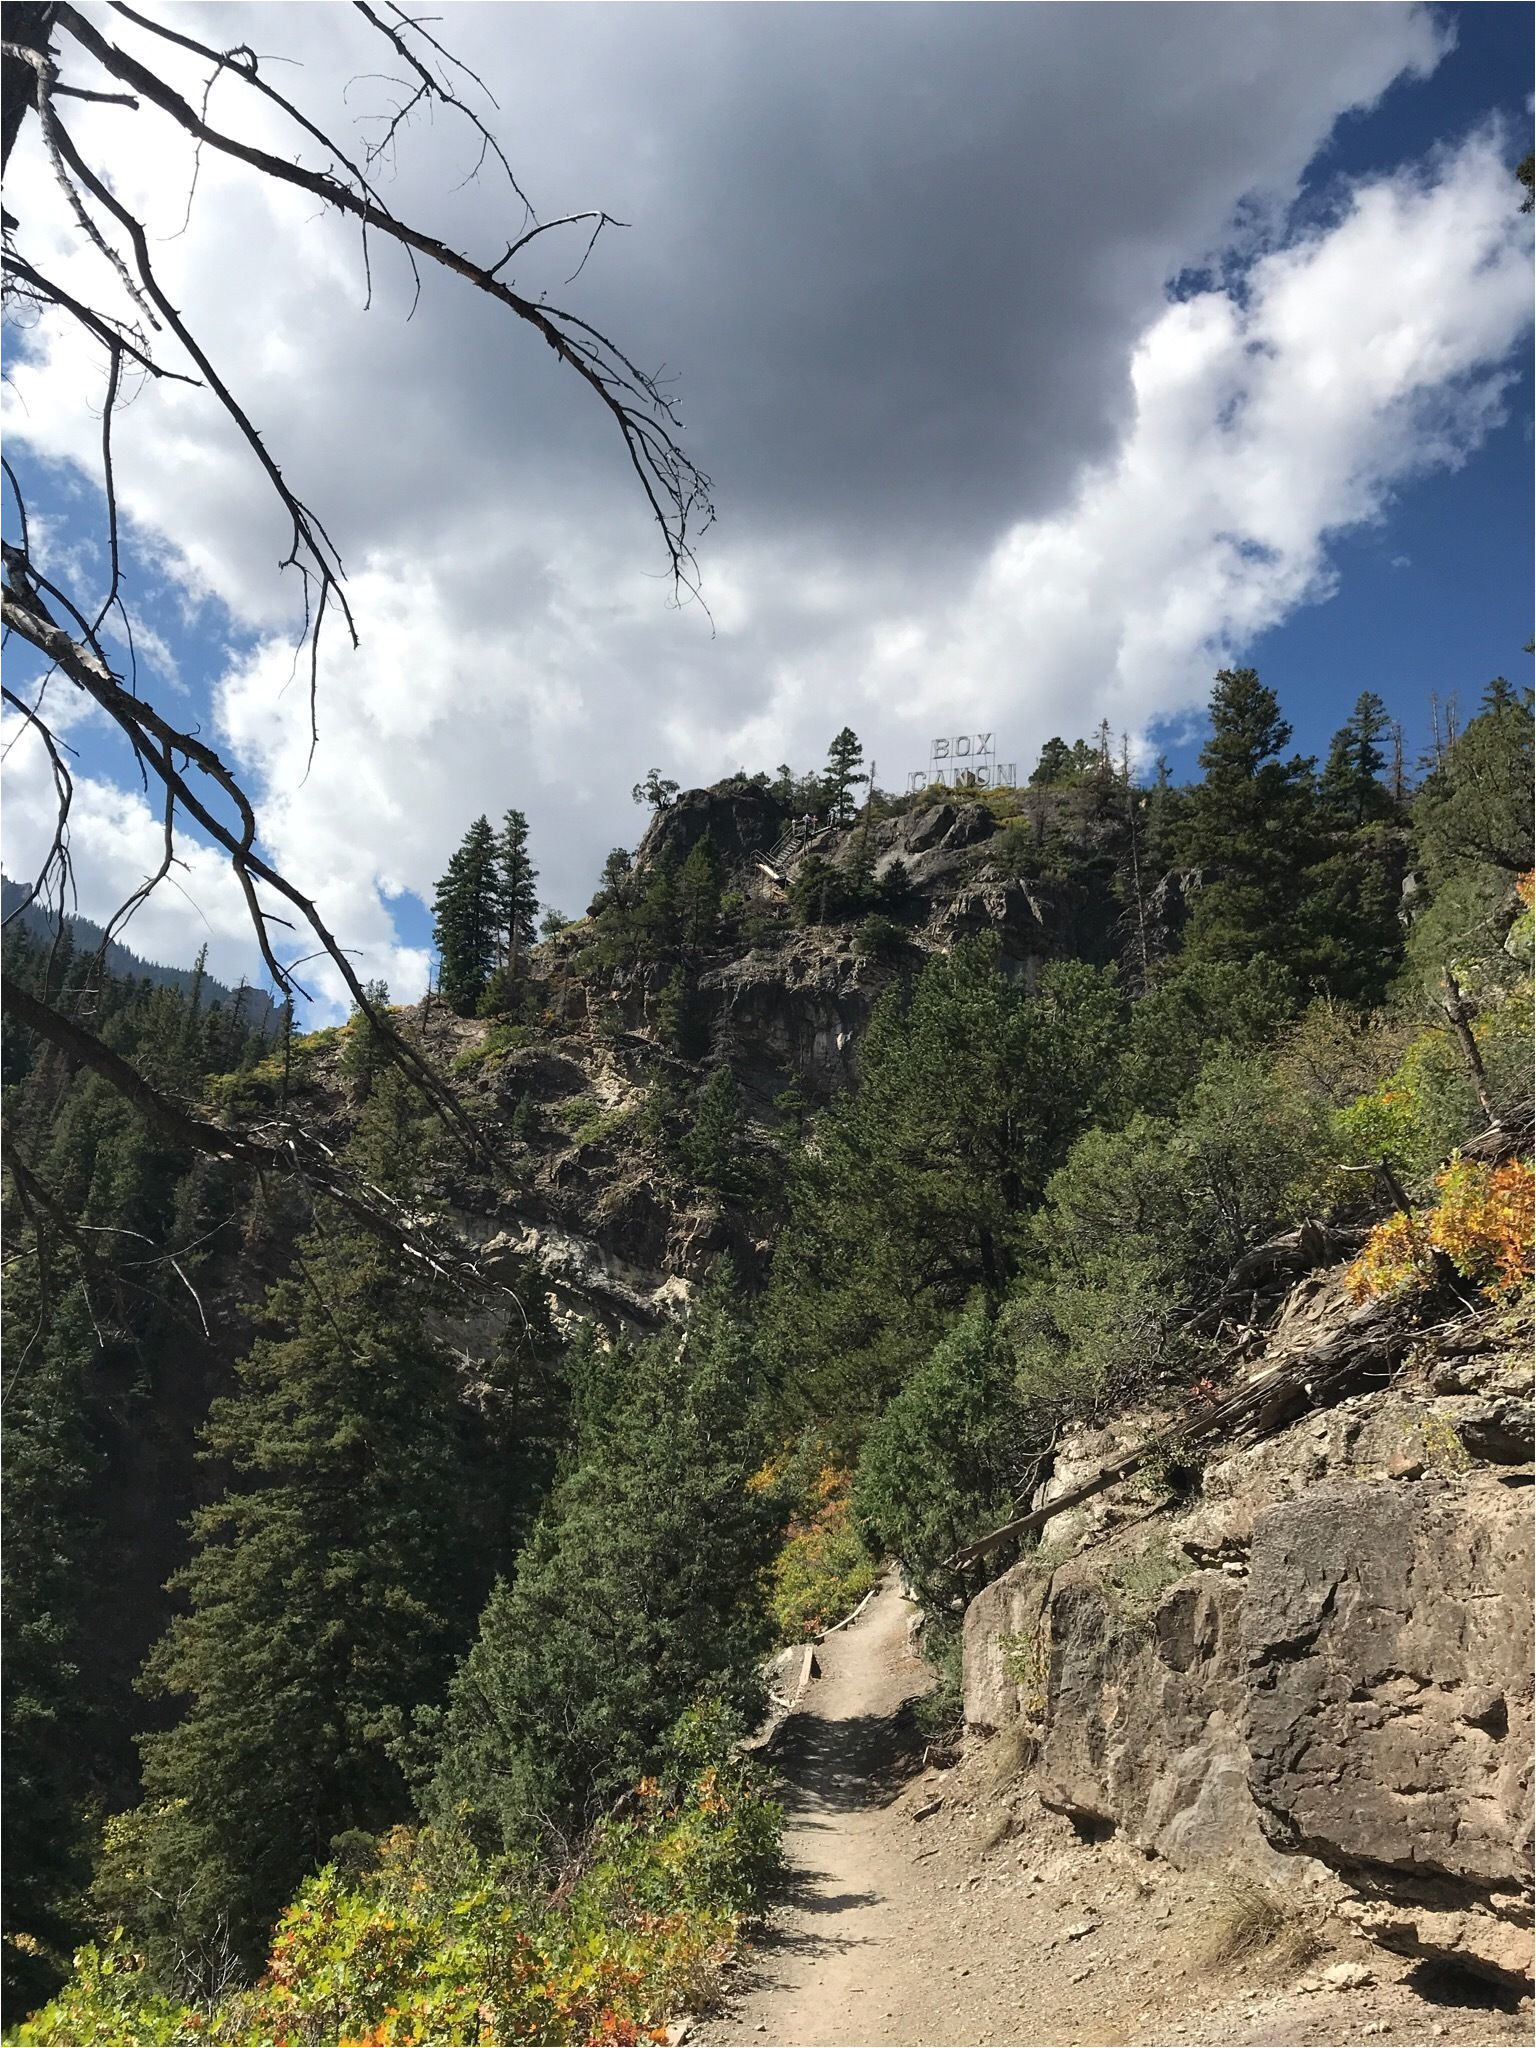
124 963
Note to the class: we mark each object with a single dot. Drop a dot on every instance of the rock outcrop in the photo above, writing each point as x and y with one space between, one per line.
740 818
1387 1643
1323 1666
583 1194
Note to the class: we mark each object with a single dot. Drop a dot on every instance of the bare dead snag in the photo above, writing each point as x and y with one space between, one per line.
1453 1002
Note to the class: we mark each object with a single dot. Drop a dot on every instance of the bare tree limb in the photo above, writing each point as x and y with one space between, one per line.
286 1148
197 788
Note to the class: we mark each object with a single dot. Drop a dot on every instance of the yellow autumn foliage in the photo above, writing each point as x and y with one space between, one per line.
1482 1221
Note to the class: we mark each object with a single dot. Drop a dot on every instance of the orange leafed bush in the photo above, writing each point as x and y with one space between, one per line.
1482 1221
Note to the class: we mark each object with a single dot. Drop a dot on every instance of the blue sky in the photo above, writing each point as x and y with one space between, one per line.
967 221
1437 597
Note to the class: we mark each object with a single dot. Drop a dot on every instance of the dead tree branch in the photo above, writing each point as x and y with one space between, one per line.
43 42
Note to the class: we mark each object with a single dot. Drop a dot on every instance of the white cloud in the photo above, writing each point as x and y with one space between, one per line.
972 463
1368 352
116 843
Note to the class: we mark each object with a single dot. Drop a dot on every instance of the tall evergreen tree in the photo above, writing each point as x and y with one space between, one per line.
654 924
364 1054
639 1588
910 1194
467 919
1053 766
1472 823
101 1374
845 758
616 881
517 902
1475 810
328 1592
712 1150
680 1020
698 893
53 1737
1250 828
1351 786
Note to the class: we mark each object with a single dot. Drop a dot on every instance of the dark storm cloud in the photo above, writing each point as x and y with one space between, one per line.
899 253
896 255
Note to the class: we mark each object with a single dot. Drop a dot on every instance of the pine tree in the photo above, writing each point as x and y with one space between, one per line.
638 1589
679 1020
1475 810
910 1196
517 902
844 759
1350 787
858 871
815 893
698 893
947 1459
52 1719
1249 827
99 1378
1054 765
654 922
712 1151
467 919
364 1054
328 1592
612 911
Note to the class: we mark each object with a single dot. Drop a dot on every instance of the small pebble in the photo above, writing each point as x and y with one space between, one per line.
1348 1977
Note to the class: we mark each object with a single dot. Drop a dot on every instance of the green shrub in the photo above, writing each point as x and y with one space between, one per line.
310 1047
824 1569
1427 1105
880 938
249 1093
590 1122
498 1041
941 1710
942 1464
437 1943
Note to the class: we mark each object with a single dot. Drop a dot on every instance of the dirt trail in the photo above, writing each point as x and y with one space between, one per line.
833 1965
947 1910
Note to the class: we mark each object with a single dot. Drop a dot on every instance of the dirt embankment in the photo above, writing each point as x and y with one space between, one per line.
922 1907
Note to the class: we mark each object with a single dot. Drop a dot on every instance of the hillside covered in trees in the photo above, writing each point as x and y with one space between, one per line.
380 1633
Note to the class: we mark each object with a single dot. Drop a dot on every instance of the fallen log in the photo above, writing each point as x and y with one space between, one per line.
1373 1338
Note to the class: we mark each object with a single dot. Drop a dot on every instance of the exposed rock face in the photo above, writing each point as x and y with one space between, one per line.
740 818
1389 1647
793 1013
1323 1665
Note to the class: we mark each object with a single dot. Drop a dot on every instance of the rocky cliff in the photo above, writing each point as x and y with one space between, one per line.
1319 1670
586 1192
